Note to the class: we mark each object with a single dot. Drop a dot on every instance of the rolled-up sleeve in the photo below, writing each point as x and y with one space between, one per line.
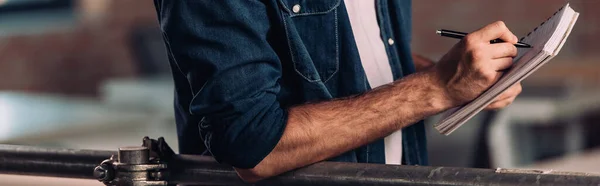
221 47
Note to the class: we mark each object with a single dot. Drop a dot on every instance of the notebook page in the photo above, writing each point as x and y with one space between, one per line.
562 42
542 35
569 28
555 43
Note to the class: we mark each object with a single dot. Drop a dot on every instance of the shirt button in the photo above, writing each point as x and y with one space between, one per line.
390 41
296 8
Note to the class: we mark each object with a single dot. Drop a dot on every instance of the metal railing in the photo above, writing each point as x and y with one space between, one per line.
189 169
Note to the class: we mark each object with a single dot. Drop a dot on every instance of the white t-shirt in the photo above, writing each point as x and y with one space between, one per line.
374 59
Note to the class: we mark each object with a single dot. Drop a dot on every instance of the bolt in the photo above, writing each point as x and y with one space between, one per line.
100 172
103 173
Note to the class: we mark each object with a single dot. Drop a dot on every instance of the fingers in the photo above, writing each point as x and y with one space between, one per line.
493 70
500 104
478 44
502 63
506 97
502 50
511 92
496 30
476 64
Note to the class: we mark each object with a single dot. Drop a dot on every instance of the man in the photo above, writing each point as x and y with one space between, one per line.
273 85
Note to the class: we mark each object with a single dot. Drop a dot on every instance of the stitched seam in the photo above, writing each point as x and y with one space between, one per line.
392 48
194 97
337 53
312 13
284 6
387 33
175 61
292 54
334 7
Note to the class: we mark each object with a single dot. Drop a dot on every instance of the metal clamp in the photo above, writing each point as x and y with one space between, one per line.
144 165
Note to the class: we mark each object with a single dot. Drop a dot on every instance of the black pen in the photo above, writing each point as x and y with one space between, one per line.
460 35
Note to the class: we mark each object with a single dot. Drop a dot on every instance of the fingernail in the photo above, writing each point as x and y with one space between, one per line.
516 38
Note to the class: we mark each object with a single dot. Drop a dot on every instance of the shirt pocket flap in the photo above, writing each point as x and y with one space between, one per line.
309 7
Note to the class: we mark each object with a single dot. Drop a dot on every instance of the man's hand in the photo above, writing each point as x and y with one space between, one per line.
506 98
473 65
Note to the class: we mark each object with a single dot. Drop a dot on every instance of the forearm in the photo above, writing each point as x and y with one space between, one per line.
319 131
421 63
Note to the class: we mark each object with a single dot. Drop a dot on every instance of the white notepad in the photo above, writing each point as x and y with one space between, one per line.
546 41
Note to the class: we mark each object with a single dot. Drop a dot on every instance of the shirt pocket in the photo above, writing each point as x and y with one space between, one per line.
312 31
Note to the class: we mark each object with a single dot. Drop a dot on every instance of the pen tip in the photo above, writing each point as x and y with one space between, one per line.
438 32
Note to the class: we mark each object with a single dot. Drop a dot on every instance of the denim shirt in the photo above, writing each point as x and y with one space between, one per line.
238 66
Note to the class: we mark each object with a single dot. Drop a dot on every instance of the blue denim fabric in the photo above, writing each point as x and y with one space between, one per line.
238 65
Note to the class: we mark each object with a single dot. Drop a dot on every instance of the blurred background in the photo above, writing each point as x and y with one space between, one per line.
92 74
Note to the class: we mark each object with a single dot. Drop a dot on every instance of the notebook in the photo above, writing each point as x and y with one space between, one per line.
546 41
